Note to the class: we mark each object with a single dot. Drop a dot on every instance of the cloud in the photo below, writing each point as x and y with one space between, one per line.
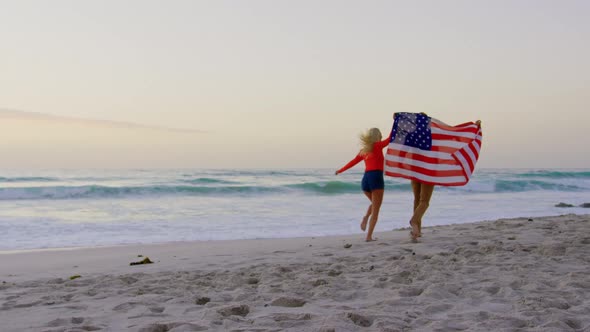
36 140
24 115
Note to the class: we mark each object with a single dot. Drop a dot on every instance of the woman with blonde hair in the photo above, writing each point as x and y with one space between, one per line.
372 184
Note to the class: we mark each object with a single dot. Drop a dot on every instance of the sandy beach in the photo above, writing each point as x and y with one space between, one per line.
503 275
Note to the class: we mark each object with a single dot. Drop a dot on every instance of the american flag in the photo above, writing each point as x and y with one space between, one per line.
427 150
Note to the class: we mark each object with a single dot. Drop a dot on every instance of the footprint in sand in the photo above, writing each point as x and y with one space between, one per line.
284 269
158 327
553 250
334 273
124 307
128 280
252 281
27 305
237 310
56 281
64 322
327 329
492 290
58 322
411 291
359 320
73 307
319 282
437 308
202 300
289 302
283 252
157 310
573 323
77 320
283 317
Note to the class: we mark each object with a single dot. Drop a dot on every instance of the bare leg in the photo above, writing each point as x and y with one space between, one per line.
368 214
426 191
425 196
377 199
416 187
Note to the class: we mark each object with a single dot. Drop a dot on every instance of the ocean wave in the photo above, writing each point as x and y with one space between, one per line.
556 174
28 179
210 186
95 191
502 186
329 187
207 181
340 187
218 188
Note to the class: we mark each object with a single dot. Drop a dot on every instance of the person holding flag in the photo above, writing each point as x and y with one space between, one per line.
429 152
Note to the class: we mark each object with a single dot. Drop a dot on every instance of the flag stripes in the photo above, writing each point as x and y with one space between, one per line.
450 161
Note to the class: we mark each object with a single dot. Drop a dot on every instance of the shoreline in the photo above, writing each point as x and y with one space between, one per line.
505 275
188 242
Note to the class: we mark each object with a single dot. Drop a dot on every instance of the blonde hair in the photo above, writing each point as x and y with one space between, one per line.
368 139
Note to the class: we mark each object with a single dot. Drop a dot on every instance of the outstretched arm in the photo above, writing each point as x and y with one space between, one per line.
350 164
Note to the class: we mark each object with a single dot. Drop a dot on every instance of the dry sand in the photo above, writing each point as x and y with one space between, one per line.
504 275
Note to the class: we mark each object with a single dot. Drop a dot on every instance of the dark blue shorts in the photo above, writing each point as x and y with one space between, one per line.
373 180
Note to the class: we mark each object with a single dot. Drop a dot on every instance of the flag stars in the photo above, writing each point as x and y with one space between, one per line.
417 135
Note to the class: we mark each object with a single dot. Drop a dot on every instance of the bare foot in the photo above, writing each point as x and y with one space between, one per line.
414 233
364 222
371 239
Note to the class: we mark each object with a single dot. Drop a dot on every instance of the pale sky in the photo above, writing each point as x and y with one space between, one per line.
286 83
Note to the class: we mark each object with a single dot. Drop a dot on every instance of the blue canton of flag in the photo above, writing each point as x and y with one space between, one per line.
412 129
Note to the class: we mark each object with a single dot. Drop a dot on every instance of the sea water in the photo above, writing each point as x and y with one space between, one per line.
66 208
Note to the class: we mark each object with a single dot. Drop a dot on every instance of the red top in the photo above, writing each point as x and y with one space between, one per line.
373 160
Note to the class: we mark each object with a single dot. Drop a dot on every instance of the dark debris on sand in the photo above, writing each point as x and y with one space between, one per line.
143 261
